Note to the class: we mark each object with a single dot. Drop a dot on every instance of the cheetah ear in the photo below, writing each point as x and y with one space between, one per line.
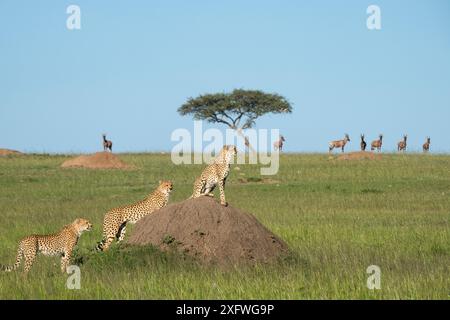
160 181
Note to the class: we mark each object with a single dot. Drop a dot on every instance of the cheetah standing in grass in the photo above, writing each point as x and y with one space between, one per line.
61 243
215 174
114 224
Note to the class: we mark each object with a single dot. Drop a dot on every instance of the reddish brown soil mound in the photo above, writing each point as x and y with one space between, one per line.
100 160
359 156
212 233
7 152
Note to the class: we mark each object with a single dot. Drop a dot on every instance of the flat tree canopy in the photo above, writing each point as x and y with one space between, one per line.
238 109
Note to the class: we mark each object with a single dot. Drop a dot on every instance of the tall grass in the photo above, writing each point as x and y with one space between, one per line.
338 217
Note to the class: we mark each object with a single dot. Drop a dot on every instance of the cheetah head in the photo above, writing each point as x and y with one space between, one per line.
82 225
165 186
228 152
229 149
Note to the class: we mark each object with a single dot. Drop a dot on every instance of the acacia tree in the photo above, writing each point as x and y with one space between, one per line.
238 109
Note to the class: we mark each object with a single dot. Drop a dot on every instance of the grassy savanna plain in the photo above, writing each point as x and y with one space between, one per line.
338 217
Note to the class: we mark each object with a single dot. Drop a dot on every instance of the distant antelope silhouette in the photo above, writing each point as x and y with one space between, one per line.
246 141
278 145
363 143
401 146
377 144
338 143
107 144
426 145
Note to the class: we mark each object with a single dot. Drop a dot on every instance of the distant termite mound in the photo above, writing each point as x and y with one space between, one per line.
212 233
7 152
99 160
360 155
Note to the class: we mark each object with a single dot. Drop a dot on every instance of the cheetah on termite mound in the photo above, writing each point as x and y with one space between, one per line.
61 243
215 174
115 221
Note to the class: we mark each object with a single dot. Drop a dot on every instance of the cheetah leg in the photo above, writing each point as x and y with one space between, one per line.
65 261
106 243
222 193
198 186
111 229
30 256
121 233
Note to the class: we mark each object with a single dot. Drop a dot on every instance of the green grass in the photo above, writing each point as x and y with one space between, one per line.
338 217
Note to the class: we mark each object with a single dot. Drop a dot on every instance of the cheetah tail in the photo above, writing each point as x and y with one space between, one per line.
15 265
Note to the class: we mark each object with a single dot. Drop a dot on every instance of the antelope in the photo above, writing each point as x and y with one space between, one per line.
363 143
426 145
278 145
376 144
339 143
401 146
246 141
107 144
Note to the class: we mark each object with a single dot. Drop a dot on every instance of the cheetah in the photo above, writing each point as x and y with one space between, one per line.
215 174
61 243
115 221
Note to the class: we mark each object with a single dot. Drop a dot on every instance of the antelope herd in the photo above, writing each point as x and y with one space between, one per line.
376 144
278 145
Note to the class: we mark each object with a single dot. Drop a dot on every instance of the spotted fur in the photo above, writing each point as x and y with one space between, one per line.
61 243
116 220
215 174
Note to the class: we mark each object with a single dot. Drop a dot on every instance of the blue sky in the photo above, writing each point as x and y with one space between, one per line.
133 63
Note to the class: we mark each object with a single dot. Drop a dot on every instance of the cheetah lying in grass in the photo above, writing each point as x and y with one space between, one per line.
61 243
114 224
215 174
